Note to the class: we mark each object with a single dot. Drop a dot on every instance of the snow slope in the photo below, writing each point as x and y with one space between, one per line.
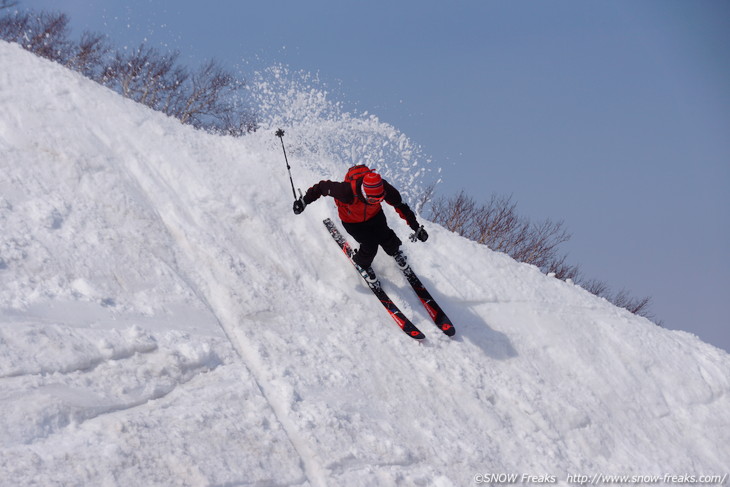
166 320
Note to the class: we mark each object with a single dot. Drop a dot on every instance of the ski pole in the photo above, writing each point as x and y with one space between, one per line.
280 134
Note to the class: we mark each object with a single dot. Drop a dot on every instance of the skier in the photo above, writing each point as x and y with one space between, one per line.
358 199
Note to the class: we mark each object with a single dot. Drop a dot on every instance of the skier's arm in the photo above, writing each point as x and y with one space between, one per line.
338 190
393 198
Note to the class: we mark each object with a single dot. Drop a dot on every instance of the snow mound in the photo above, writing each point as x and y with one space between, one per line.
166 320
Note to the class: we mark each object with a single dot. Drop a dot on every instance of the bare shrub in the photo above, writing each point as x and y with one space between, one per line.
44 34
497 224
88 57
638 306
205 97
594 286
208 98
145 75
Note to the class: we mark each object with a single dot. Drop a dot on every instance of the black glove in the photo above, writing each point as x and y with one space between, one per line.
419 235
299 206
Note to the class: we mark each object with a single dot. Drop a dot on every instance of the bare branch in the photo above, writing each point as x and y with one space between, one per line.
498 225
88 57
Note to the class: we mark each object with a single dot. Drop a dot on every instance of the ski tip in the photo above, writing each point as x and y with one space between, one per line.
414 333
448 329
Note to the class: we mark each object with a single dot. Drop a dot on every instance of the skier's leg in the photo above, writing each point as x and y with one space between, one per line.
390 241
392 246
365 254
368 240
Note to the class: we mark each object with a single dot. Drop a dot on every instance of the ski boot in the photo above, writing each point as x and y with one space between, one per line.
401 260
367 274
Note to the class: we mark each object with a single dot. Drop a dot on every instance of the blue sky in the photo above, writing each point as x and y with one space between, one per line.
612 116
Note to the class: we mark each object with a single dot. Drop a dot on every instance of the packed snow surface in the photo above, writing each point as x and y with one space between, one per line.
165 319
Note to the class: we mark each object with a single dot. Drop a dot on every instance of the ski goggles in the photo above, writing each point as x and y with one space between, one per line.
375 199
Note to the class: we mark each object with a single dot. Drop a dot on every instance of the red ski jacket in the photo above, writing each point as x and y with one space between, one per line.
352 207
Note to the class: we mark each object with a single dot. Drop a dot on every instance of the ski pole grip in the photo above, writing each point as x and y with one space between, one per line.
417 235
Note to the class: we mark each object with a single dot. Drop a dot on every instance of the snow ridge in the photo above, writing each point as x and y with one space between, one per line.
166 320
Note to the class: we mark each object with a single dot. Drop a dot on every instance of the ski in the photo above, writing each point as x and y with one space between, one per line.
434 310
403 322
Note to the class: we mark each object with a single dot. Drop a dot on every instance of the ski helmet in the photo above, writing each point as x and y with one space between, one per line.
372 188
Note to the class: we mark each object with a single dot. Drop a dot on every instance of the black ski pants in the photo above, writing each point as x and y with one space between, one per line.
370 234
